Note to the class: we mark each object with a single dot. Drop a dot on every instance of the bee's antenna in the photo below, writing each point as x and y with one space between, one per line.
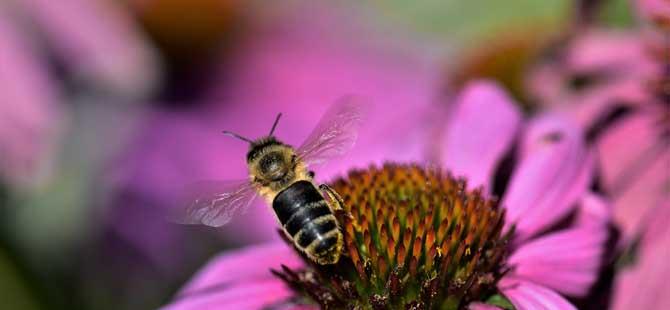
275 124
234 135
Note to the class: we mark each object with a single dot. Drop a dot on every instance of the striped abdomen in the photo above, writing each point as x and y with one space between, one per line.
307 219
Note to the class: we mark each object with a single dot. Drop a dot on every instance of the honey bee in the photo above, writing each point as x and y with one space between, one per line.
279 173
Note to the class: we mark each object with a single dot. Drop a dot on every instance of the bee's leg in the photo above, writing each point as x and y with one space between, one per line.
311 174
337 203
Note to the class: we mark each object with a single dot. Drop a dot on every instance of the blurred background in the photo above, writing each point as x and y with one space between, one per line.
108 106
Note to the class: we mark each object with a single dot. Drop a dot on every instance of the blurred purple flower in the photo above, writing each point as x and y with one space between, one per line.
98 41
294 66
549 182
95 39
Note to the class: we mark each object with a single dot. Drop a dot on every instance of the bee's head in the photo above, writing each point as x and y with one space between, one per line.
272 166
268 158
271 161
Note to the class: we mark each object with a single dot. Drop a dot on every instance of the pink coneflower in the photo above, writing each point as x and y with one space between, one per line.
422 238
615 85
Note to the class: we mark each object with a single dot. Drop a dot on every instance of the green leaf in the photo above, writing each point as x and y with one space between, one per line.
617 13
16 294
500 301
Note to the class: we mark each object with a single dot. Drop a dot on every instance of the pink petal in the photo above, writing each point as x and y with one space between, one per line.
607 50
589 106
246 265
594 210
28 107
566 261
653 9
554 171
620 56
637 203
656 223
481 306
255 295
239 280
616 153
645 284
484 123
637 176
526 295
545 81
99 40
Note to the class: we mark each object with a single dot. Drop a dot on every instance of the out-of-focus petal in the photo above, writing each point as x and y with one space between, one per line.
526 295
609 51
645 285
634 165
653 9
482 306
657 227
483 125
616 148
545 82
567 261
28 99
612 62
251 295
594 210
300 64
589 107
239 280
248 264
99 40
555 169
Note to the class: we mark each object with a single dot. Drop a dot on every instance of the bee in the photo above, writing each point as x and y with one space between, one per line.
280 174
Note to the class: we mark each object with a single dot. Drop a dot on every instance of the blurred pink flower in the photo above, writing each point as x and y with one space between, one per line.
598 70
615 85
653 9
297 68
608 82
549 182
28 113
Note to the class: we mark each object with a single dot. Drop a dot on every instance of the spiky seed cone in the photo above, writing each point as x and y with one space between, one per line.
414 238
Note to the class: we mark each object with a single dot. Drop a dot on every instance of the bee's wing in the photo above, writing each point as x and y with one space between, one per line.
214 203
335 133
